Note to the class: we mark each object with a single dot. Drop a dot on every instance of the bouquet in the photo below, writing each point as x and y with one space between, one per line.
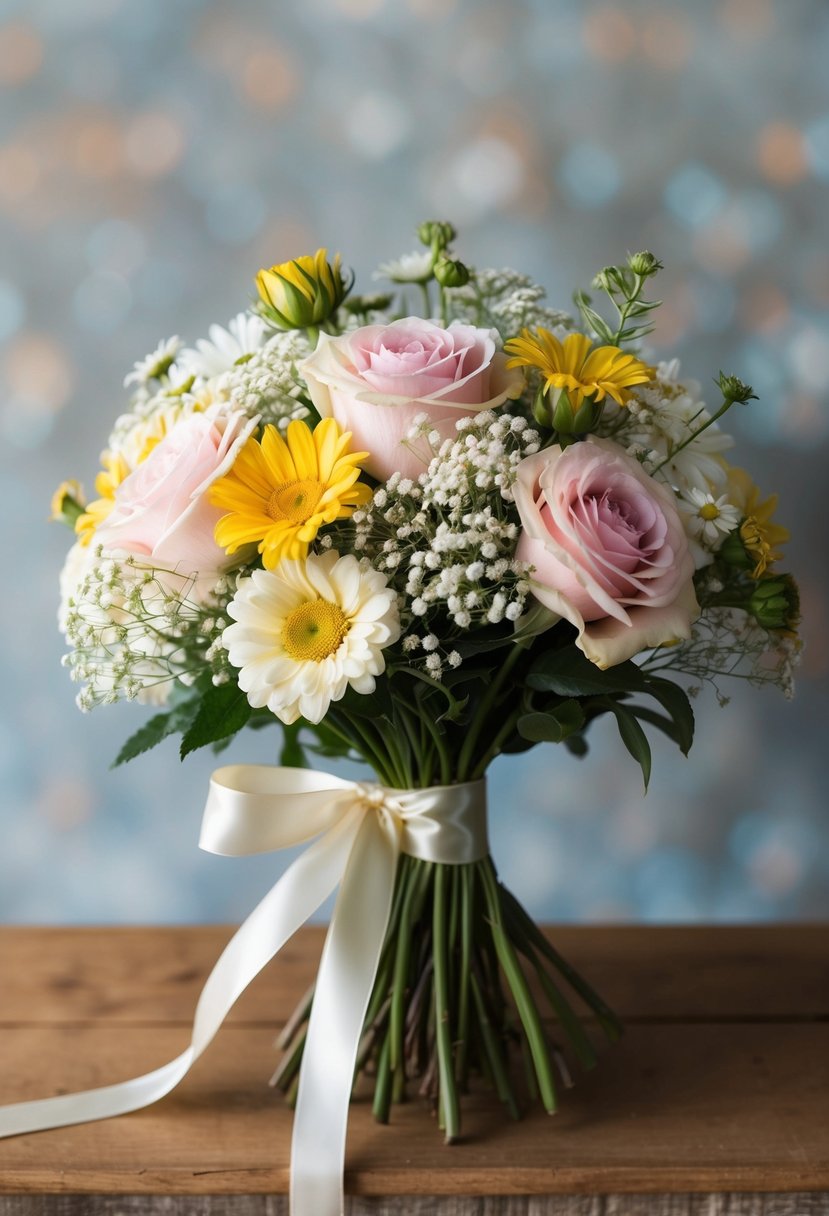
422 528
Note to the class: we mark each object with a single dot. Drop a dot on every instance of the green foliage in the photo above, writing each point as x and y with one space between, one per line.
624 287
223 711
554 726
570 675
156 730
292 754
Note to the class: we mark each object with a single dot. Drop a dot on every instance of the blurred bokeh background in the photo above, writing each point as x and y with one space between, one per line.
154 155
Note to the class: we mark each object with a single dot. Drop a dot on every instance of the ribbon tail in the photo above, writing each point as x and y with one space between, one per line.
347 971
306 884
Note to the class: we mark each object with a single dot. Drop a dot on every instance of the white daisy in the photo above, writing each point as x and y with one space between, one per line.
708 520
665 418
410 268
225 348
156 364
306 631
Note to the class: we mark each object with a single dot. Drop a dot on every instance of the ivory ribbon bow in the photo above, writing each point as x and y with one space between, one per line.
362 831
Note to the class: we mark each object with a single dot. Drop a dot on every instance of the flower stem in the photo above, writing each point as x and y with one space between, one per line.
382 1084
466 878
481 718
527 1008
726 405
448 1094
493 1051
606 1017
427 301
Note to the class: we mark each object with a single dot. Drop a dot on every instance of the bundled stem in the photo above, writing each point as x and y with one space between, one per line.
456 996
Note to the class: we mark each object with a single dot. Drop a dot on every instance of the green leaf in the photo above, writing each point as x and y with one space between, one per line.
577 745
569 673
633 737
554 726
653 718
675 701
147 737
223 711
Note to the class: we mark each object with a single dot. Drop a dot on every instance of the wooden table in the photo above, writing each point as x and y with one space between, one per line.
715 1103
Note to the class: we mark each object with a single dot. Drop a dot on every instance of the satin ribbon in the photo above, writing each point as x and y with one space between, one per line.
361 831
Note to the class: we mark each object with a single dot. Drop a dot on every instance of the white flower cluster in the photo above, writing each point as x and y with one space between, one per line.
507 301
447 541
134 630
668 428
663 423
267 383
240 367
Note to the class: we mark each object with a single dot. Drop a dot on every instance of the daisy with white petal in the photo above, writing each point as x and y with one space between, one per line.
225 348
156 364
305 631
708 520
410 268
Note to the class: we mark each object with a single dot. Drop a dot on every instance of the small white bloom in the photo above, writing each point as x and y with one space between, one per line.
409 268
156 364
304 632
710 519
224 349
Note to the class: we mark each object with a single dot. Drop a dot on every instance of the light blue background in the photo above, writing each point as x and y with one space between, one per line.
153 155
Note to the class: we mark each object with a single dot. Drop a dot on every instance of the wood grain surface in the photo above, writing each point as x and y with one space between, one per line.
720 1086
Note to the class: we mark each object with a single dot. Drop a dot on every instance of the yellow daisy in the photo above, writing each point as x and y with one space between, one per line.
280 492
759 533
577 366
115 469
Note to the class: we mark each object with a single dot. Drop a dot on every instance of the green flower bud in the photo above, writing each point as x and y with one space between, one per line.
542 412
644 264
450 273
734 553
775 603
438 233
605 280
733 389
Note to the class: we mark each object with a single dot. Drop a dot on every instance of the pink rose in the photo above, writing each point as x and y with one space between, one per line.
608 549
376 380
161 510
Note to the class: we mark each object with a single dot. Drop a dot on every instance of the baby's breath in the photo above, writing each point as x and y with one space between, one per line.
447 542
728 642
135 629
507 301
268 383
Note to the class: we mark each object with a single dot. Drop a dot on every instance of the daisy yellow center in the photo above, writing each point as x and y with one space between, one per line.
295 501
314 630
709 511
